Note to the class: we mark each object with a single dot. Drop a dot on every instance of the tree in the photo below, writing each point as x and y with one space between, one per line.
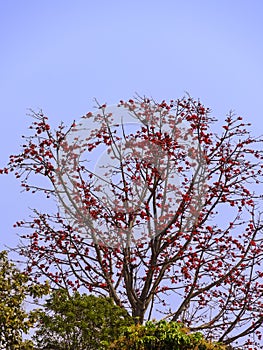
14 320
162 336
170 215
79 322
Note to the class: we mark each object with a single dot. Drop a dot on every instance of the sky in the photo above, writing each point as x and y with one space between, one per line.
58 55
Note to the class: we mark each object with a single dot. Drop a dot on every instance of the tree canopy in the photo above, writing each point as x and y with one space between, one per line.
14 319
79 322
168 218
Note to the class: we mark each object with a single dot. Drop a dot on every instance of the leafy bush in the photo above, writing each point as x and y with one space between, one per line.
162 336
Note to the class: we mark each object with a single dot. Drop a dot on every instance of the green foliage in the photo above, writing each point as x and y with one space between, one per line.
162 336
14 320
79 322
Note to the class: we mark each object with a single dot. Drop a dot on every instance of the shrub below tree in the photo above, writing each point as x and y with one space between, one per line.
163 336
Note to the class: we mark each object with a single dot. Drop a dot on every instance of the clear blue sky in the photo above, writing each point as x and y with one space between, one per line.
58 55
